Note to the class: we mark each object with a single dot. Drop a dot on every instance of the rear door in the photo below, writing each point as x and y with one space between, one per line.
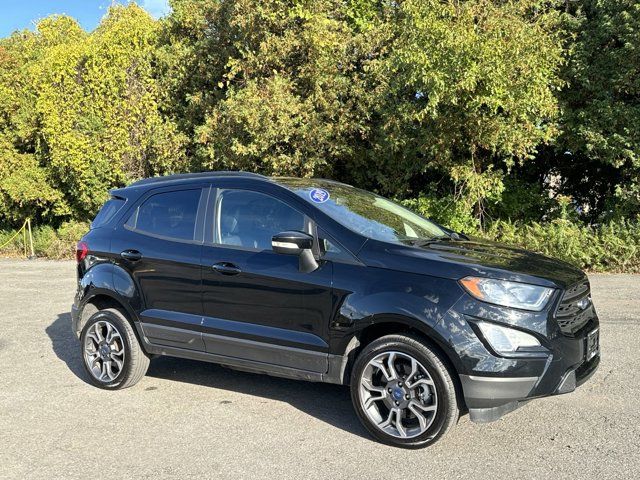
257 305
160 246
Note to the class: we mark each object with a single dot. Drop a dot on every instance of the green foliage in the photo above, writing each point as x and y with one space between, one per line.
24 190
525 201
514 120
373 93
466 84
79 115
613 247
445 211
58 243
601 126
274 95
48 242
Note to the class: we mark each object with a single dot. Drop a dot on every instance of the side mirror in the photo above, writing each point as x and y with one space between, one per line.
291 243
296 243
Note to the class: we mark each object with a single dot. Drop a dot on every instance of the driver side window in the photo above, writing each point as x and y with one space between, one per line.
249 219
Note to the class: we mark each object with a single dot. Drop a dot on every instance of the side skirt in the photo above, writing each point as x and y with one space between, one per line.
333 375
249 365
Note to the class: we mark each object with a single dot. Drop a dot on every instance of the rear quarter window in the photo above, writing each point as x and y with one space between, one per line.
107 212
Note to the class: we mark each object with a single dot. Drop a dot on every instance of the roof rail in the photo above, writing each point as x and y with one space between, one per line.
187 176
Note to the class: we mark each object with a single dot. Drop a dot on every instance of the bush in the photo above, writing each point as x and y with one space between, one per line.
47 241
610 247
526 201
613 247
445 211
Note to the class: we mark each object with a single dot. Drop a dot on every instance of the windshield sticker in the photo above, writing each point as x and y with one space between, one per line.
319 195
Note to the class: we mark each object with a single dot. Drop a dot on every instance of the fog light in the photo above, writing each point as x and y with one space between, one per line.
505 340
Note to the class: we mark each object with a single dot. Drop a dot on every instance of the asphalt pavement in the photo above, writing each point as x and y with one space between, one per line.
187 419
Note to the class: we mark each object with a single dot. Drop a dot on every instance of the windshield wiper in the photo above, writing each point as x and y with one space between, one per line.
421 242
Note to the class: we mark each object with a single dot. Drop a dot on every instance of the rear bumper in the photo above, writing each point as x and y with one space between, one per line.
489 398
75 320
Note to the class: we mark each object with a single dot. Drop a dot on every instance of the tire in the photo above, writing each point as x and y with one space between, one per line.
381 400
121 363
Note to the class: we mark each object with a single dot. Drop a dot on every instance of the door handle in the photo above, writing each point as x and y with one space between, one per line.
131 255
226 268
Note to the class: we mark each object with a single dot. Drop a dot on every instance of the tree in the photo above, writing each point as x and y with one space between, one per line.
274 87
598 153
79 113
375 93
447 100
469 90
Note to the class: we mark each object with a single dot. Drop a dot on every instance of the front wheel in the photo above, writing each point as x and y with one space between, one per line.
403 392
111 352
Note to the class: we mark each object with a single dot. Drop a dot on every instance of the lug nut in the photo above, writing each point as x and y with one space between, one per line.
407 397
397 403
399 384
389 389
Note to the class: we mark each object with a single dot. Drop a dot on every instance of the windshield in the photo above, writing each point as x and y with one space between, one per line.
364 212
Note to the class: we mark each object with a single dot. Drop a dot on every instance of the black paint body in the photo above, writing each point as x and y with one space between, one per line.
257 311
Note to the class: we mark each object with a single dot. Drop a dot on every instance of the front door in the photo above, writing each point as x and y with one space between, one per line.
257 305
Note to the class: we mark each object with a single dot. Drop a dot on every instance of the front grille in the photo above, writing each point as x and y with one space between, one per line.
574 310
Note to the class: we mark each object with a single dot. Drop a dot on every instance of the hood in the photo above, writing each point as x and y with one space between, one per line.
457 259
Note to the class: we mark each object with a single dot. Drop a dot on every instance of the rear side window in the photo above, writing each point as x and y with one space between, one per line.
108 210
169 214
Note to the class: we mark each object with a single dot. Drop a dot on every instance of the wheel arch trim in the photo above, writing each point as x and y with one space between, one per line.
389 323
89 298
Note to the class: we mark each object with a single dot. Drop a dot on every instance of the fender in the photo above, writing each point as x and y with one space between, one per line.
112 281
422 313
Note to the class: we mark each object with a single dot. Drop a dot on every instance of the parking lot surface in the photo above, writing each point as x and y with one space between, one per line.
195 420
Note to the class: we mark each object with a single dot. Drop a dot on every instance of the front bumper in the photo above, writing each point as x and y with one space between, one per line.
494 385
489 398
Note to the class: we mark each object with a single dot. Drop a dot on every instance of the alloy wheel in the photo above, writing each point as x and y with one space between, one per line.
398 395
104 351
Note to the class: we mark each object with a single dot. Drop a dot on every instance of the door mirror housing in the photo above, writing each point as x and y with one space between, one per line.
291 243
296 243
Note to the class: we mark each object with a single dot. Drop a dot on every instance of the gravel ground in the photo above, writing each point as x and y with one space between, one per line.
195 420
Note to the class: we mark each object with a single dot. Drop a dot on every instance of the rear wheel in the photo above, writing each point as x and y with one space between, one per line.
403 392
112 355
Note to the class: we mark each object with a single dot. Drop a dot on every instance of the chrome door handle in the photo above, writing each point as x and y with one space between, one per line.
226 268
131 255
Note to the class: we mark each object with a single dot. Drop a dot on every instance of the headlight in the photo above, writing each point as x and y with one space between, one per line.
505 340
508 294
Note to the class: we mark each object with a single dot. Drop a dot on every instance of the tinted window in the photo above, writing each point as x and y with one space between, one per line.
169 214
249 219
364 212
327 246
108 210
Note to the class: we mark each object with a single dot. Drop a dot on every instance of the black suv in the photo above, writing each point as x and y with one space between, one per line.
317 280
